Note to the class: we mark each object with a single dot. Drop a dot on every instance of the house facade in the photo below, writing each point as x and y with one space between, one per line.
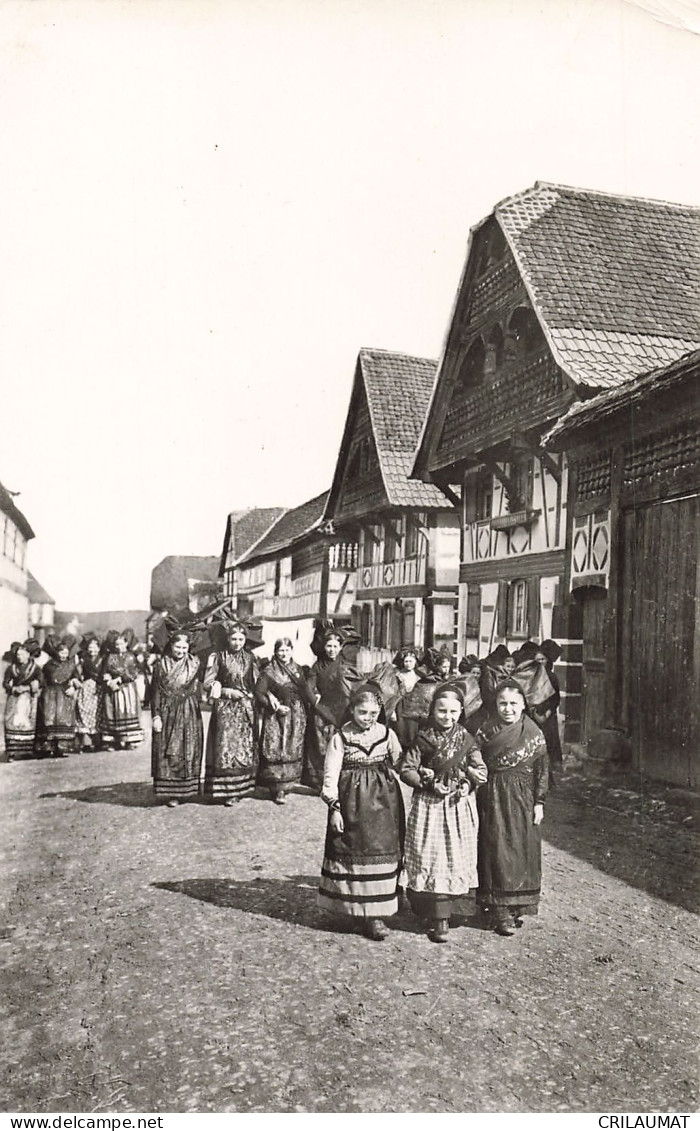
15 534
407 532
297 572
564 294
632 564
243 529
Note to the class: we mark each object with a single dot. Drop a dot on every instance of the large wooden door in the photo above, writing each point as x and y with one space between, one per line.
660 653
594 608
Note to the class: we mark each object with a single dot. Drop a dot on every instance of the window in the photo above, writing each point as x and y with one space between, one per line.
414 533
473 610
365 627
517 608
385 629
409 623
484 496
392 538
520 474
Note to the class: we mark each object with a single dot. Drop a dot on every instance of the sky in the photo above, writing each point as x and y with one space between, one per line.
207 208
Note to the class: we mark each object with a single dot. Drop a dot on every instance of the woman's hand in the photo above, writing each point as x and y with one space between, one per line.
336 821
441 788
157 724
274 702
215 690
538 817
283 709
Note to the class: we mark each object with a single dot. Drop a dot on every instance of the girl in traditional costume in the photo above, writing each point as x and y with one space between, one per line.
444 767
121 709
57 723
89 693
364 836
511 809
410 708
329 686
280 693
545 713
232 754
178 734
22 681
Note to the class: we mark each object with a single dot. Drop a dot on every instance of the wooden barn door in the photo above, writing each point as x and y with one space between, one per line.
660 655
594 608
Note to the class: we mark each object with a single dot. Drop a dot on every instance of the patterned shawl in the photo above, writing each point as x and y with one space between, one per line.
504 745
443 751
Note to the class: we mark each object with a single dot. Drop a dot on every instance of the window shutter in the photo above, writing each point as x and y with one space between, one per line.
533 608
502 613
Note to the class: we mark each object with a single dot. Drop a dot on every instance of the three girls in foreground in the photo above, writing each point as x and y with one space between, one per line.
456 847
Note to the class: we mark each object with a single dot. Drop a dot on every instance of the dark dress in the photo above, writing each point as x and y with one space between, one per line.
232 754
57 720
282 734
176 750
360 871
333 681
22 683
545 715
120 715
510 868
88 703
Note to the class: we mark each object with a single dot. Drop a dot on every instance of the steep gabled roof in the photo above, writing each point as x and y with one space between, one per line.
7 506
245 528
584 415
614 280
289 529
36 594
397 388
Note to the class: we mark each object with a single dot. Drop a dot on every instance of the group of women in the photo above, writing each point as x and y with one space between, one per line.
67 695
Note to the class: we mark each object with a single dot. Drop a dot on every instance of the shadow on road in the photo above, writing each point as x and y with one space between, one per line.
645 848
292 900
132 794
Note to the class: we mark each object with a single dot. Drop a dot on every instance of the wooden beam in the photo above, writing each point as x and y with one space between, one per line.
515 503
450 495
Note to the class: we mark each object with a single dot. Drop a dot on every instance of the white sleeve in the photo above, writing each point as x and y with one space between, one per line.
332 766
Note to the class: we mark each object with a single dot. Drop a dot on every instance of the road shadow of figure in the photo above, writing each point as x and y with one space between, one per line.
291 900
131 794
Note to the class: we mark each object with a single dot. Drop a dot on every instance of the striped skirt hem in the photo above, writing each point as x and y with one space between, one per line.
367 890
19 742
163 787
229 787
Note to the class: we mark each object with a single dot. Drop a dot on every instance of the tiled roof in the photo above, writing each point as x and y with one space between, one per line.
36 594
249 527
615 280
398 391
7 506
289 528
584 414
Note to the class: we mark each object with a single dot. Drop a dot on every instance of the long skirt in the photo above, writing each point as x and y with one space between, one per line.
360 871
318 735
88 707
20 724
56 720
232 757
550 730
282 748
510 846
440 855
176 752
406 727
121 716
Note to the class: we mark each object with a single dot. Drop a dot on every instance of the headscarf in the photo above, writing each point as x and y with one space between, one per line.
471 660
400 656
551 650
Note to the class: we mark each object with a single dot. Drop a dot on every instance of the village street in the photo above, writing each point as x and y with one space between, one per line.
174 960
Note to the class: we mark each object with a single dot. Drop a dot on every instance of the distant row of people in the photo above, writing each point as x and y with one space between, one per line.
67 695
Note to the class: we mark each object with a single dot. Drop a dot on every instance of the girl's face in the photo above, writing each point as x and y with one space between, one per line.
475 671
510 705
180 647
365 713
409 662
540 657
22 655
444 668
332 647
93 649
120 645
446 711
236 639
63 653
283 652
509 665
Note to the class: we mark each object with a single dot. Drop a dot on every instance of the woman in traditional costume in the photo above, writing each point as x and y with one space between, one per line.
22 681
89 693
545 713
178 733
444 767
364 836
57 723
410 708
329 686
121 709
280 693
232 755
511 809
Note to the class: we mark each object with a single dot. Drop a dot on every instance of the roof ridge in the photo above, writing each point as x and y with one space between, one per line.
622 197
397 353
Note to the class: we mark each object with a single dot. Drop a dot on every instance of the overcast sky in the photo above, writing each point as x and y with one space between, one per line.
207 208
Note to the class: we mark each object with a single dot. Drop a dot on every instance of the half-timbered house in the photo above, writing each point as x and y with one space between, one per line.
634 457
297 572
564 293
407 532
